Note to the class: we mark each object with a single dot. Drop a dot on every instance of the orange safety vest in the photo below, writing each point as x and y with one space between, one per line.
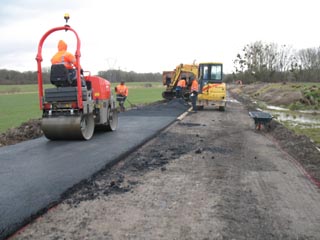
64 57
194 86
122 90
182 83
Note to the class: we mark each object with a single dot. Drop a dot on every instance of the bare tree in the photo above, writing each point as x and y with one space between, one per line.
258 60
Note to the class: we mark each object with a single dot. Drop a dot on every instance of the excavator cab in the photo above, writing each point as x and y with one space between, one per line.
212 90
210 73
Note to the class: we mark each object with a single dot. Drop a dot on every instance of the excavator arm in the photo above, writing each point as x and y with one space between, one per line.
182 69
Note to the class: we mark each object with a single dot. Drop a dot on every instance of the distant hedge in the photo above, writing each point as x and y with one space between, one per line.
8 77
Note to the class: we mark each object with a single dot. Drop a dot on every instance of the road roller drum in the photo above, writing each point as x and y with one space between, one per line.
59 128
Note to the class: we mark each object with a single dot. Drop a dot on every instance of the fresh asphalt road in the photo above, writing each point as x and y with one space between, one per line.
34 174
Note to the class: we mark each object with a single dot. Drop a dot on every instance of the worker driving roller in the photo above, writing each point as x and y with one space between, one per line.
69 60
122 94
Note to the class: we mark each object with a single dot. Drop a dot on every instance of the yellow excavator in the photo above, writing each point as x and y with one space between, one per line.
171 79
212 91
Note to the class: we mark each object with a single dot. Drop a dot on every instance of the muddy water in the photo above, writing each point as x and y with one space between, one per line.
301 119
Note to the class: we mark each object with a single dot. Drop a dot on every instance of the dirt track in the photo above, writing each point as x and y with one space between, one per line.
209 176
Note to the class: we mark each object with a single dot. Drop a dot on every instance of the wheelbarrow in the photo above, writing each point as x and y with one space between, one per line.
261 118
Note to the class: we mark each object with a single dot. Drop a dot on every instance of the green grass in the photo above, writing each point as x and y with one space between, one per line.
19 103
140 94
8 89
309 91
312 133
141 84
18 108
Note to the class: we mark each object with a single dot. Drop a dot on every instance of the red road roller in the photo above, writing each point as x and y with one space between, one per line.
74 108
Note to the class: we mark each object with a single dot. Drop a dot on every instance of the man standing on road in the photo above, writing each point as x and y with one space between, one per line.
194 93
122 93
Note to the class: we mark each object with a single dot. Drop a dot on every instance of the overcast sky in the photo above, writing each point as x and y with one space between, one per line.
152 35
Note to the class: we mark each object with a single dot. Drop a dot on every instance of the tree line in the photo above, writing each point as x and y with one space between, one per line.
258 61
119 75
269 62
16 77
30 77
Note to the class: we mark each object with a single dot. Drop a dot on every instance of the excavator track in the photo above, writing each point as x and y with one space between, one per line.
71 127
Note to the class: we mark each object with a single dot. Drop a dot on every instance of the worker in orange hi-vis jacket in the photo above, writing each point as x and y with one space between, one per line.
62 56
122 93
68 59
181 87
194 93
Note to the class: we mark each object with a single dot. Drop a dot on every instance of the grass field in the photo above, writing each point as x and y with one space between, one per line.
19 103
310 100
309 91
